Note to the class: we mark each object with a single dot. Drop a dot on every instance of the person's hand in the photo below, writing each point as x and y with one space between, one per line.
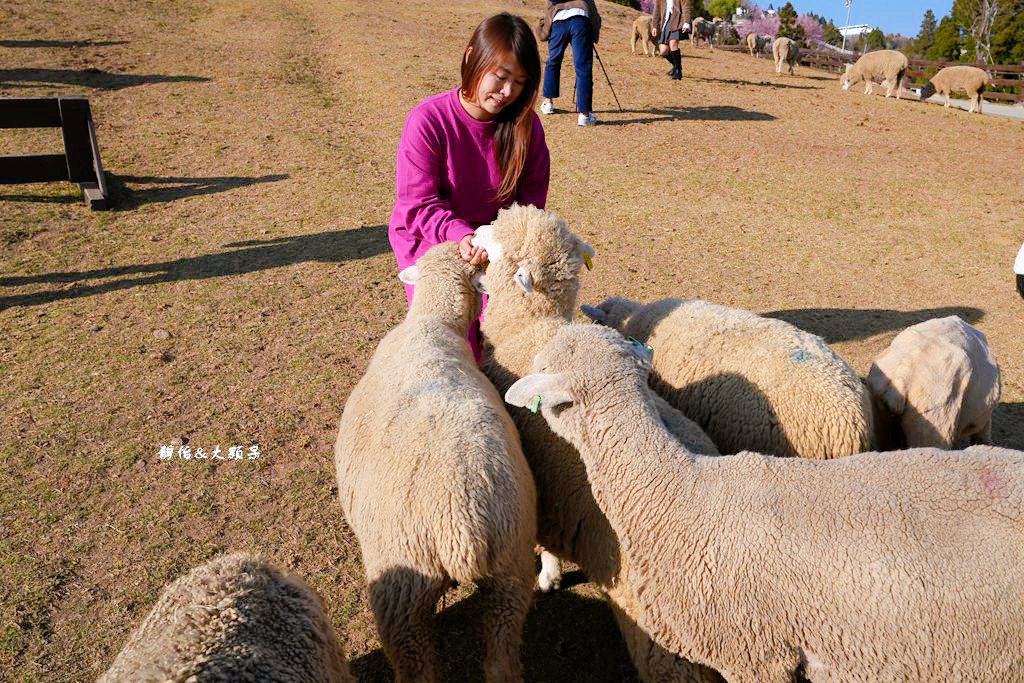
474 256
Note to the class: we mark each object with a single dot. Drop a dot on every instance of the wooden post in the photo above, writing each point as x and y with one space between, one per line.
80 163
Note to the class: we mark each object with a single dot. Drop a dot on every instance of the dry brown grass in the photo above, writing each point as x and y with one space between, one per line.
251 151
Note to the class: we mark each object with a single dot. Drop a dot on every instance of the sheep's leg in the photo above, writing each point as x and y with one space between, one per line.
947 100
919 432
983 436
508 600
403 602
869 87
975 103
550 572
980 100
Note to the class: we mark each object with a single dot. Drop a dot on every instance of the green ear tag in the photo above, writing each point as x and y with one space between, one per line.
535 403
586 260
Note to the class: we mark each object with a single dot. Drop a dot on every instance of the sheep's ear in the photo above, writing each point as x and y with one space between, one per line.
484 237
410 275
523 279
540 389
595 314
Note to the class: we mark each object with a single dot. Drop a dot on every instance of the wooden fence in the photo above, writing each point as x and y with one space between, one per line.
1009 76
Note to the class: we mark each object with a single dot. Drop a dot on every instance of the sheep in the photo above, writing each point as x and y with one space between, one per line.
940 381
235 618
785 51
874 567
970 79
751 383
756 43
642 33
532 281
1018 270
704 30
432 479
888 65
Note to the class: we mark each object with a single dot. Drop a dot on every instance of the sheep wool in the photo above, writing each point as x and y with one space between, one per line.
938 381
901 566
432 479
532 282
950 79
235 618
887 66
750 382
785 51
642 33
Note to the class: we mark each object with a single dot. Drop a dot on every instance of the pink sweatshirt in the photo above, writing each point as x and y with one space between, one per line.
447 175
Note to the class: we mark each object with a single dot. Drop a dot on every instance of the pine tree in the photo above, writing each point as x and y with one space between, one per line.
832 34
788 26
947 44
875 40
1008 36
926 36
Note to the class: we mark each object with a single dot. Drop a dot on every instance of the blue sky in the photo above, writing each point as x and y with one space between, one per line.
892 16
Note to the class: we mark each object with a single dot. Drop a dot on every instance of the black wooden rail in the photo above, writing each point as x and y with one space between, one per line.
80 162
1003 75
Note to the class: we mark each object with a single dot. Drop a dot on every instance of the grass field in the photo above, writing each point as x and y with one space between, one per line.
235 293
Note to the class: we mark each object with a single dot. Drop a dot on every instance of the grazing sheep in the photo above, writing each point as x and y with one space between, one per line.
785 51
1018 270
751 383
704 30
940 381
235 618
970 79
888 66
756 44
532 283
901 566
433 481
642 33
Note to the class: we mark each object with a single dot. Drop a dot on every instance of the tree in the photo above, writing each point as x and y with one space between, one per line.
977 18
832 34
926 36
947 44
787 24
723 8
875 40
1008 36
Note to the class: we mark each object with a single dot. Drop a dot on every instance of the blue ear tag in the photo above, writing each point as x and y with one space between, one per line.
535 403
586 260
637 345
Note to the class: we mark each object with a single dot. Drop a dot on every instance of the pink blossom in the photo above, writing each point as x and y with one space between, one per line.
647 6
813 32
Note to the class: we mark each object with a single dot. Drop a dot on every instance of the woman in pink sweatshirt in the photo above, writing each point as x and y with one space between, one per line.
470 151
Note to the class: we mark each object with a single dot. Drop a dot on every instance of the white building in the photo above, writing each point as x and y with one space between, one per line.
854 31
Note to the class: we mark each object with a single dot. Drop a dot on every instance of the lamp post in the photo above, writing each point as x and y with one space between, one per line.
849 5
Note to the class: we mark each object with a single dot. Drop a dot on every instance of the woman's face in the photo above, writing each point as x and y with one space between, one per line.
499 87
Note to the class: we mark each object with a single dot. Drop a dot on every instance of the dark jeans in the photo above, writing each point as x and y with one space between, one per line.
577 30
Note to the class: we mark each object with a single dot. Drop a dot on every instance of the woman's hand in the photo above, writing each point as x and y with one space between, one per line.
474 256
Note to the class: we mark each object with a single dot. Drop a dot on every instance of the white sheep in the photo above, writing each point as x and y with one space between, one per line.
756 43
901 566
235 618
887 66
940 381
642 33
1018 270
532 283
785 51
970 79
433 481
750 382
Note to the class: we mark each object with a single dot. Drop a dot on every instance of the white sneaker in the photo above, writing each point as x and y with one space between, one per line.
547 107
587 120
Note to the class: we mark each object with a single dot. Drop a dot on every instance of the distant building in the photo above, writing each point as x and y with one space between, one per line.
854 31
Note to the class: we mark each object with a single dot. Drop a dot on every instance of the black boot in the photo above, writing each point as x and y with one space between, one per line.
668 58
677 66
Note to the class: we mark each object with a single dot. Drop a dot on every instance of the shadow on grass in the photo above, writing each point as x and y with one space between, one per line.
839 325
568 637
766 84
244 257
89 78
61 43
710 113
156 189
1008 425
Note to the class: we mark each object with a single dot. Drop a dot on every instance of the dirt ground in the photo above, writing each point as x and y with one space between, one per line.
236 291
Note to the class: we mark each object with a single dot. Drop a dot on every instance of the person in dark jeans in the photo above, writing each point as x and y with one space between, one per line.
576 22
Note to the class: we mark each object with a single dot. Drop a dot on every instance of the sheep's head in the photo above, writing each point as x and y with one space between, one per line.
532 256
445 285
927 90
612 312
845 80
576 370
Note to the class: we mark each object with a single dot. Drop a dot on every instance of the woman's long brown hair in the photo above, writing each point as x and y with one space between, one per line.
497 36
